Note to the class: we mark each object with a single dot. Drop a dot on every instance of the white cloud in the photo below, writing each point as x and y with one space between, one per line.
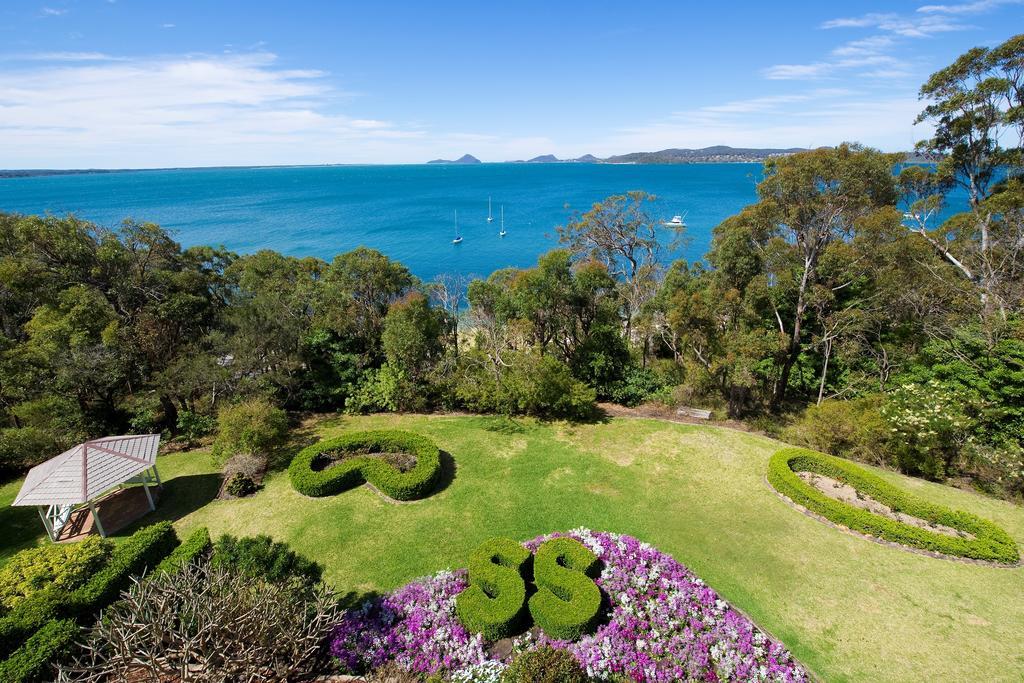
966 7
167 25
790 72
52 12
71 111
62 57
916 26
812 119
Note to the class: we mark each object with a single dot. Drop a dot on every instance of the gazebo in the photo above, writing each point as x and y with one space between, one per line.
80 476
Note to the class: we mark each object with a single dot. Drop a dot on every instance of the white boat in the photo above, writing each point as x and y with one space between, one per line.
458 237
502 233
490 219
676 222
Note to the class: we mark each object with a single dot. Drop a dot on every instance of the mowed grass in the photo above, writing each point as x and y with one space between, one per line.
848 608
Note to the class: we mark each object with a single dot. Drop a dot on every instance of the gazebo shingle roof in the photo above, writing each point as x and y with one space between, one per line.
87 470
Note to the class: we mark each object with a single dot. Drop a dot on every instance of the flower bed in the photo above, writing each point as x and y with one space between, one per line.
989 542
662 624
349 472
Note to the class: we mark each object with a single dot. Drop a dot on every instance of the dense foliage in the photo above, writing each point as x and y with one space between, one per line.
60 566
981 539
835 291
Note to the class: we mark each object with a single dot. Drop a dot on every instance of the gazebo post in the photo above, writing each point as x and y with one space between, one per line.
96 520
149 496
46 523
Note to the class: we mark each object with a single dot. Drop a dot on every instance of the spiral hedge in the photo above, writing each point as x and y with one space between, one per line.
990 543
350 472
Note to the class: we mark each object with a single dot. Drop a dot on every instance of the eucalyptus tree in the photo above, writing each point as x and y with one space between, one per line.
976 106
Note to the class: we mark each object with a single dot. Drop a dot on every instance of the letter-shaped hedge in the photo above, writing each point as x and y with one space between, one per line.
567 601
418 482
494 604
990 543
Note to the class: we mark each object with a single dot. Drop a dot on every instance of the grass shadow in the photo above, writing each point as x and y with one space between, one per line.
22 528
180 496
448 473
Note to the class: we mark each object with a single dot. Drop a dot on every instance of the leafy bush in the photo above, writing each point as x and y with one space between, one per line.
255 427
240 485
382 390
990 543
34 661
852 429
567 601
494 604
929 425
531 385
60 566
207 623
145 548
192 425
191 549
418 482
545 665
24 447
637 386
262 557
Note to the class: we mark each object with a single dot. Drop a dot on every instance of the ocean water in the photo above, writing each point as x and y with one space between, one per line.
407 212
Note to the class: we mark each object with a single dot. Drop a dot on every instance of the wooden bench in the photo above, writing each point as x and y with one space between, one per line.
698 413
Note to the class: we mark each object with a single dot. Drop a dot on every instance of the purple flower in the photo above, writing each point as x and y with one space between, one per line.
664 624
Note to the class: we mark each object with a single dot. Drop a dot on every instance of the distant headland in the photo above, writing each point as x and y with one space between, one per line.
718 154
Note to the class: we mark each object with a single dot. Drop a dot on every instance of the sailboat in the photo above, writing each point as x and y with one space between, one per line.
490 219
458 237
502 233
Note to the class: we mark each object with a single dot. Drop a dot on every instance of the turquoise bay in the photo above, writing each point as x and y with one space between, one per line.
407 212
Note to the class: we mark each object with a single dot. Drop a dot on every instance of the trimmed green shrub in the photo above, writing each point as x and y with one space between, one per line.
990 543
34 660
255 426
545 665
145 548
494 604
262 557
192 548
418 482
64 566
567 601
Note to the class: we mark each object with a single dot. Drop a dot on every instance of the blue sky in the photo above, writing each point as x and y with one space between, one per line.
128 83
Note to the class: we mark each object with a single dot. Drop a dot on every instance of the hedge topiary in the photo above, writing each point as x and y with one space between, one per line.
494 604
418 482
61 565
193 547
567 601
34 660
145 548
990 543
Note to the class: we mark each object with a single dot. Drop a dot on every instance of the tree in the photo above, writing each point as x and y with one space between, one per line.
412 336
620 233
973 104
807 202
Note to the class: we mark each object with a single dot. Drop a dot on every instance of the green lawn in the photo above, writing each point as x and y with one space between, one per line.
848 608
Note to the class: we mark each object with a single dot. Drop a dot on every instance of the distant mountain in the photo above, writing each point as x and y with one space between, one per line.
718 153
464 159
587 159
544 159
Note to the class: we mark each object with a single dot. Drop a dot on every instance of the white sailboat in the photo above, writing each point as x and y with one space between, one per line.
490 219
676 222
502 233
458 237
